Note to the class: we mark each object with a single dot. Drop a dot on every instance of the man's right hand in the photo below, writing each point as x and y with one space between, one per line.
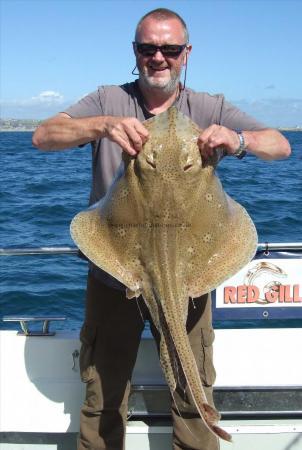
62 132
128 132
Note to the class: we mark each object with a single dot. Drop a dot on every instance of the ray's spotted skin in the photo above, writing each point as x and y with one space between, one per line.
168 231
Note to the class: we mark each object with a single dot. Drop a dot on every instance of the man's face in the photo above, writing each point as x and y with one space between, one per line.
159 71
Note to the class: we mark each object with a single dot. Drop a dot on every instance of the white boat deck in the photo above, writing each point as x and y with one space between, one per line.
41 392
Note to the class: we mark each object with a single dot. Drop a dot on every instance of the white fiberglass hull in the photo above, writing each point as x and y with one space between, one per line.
41 392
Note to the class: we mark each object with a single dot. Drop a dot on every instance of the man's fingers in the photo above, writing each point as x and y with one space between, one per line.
203 143
126 146
138 135
142 131
217 136
133 136
211 137
127 132
204 136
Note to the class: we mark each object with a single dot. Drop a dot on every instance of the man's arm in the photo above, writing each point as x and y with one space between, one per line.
62 131
266 144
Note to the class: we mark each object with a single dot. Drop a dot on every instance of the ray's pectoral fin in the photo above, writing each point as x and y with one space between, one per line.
102 245
229 243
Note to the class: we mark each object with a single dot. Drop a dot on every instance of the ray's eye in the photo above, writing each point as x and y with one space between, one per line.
188 166
150 161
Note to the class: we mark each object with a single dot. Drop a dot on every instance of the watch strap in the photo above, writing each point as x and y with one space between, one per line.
241 150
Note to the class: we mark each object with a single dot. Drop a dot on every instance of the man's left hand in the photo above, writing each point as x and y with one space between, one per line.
217 136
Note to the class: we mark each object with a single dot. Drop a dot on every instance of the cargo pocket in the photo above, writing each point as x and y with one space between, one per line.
86 360
208 373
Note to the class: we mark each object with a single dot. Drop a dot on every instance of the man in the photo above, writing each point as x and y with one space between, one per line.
111 120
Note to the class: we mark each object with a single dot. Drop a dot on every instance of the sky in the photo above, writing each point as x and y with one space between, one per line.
53 52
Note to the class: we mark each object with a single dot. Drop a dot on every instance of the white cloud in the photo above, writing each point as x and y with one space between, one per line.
45 97
40 106
48 97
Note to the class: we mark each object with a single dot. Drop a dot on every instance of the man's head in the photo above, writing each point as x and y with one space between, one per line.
161 68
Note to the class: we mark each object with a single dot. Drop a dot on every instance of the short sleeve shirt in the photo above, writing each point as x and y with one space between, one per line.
126 100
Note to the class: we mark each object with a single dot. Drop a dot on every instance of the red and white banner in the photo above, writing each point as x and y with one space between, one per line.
266 282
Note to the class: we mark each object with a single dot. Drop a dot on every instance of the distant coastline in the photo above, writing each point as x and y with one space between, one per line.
32 124
290 128
19 124
20 129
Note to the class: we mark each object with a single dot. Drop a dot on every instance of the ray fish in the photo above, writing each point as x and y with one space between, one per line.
167 230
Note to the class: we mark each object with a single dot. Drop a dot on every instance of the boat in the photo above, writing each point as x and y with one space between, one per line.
257 356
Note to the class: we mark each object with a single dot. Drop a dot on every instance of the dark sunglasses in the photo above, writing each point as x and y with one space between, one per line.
166 50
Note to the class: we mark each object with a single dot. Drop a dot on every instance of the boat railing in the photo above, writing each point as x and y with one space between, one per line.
66 250
27 251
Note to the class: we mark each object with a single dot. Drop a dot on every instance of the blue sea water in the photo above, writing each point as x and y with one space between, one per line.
42 191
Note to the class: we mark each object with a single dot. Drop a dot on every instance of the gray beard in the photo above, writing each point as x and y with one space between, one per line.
169 88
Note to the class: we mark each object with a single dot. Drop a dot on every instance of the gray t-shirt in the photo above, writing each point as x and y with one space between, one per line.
126 100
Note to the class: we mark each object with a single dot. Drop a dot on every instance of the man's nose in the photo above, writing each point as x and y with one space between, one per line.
158 56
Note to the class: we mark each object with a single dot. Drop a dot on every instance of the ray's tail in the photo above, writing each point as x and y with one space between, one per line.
176 356
166 298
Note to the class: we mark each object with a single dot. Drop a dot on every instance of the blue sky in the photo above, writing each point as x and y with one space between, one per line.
55 51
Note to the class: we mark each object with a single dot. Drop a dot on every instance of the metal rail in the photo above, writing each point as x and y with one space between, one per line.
279 246
24 251
24 322
38 251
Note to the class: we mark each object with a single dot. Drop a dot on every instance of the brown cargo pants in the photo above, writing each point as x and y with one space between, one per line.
110 338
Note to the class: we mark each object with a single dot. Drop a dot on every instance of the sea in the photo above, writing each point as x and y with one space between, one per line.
42 191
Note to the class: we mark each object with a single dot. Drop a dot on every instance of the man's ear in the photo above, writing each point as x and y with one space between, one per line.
134 49
188 51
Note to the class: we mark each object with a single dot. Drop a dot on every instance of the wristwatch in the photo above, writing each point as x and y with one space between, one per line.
240 152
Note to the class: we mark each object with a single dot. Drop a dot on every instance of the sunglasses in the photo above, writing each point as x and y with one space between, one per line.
166 50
